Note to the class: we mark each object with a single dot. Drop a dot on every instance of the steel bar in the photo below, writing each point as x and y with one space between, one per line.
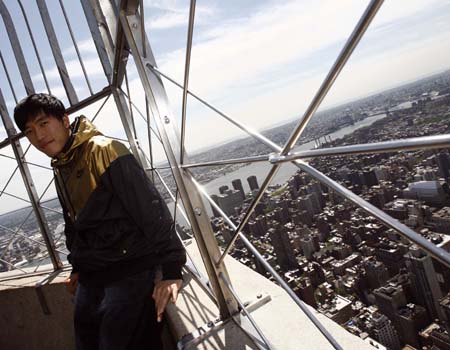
142 16
241 126
16 197
251 159
100 108
141 114
6 142
75 45
249 211
12 175
193 204
187 65
129 105
8 78
29 185
246 313
127 123
15 268
70 110
438 253
38 165
342 59
56 50
34 46
149 136
13 277
271 270
340 62
100 34
172 196
411 144
120 59
106 91
17 233
17 49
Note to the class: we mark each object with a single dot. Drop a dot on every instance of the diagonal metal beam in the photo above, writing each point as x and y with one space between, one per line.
75 45
31 189
411 144
253 159
57 54
439 253
100 34
17 49
158 104
270 269
187 66
25 17
340 62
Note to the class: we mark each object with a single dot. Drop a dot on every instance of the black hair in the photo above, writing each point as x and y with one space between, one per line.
35 104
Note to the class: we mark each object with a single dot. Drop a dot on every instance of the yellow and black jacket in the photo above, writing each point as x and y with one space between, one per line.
116 221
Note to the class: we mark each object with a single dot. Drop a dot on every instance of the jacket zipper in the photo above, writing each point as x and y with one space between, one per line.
62 189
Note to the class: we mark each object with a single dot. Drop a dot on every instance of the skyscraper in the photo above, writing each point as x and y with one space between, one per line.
384 331
253 183
237 185
424 277
282 246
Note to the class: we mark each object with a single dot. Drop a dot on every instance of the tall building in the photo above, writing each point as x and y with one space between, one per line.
229 200
426 284
384 331
282 246
237 185
377 273
222 189
443 162
411 320
306 291
253 183
390 299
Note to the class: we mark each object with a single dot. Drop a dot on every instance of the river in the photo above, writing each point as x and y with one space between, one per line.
261 169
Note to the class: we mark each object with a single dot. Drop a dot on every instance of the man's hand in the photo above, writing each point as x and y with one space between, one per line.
164 291
71 283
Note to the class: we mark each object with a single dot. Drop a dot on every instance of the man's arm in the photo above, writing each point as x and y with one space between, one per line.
148 210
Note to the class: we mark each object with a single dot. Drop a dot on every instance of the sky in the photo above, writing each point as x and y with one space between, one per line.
260 62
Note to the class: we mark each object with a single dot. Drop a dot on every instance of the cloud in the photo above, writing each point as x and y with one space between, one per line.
269 64
179 17
93 68
86 47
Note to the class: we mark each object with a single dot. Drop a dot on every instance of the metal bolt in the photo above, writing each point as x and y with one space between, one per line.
134 25
210 324
198 211
166 119
259 296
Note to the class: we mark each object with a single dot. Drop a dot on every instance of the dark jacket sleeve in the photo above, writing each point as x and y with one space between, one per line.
68 226
148 210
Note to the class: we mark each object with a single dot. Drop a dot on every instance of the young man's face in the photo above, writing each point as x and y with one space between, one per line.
47 133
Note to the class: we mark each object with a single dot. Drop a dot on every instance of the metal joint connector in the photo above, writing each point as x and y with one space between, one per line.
275 158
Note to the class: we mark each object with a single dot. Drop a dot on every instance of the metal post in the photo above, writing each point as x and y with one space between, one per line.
193 203
56 50
34 198
17 49
340 62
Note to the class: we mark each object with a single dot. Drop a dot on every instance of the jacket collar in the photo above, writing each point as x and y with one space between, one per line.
82 130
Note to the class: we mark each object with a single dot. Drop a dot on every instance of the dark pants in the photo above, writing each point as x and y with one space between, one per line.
120 316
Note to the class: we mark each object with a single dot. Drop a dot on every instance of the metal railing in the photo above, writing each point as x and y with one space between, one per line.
117 30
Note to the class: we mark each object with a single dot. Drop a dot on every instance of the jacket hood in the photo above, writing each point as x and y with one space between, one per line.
82 131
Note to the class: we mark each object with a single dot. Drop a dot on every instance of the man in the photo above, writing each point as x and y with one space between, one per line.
118 230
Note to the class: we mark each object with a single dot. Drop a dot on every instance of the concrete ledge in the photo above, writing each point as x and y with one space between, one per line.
281 320
23 324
